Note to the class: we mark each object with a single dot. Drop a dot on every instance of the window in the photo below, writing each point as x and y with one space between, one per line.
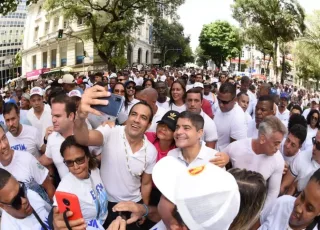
63 56
53 58
46 28
44 59
36 30
79 53
34 62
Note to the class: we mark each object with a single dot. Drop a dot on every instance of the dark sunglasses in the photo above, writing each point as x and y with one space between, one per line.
224 102
130 87
16 201
121 79
316 143
119 91
78 161
314 118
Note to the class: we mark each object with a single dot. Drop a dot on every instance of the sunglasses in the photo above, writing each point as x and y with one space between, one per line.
119 91
130 87
314 118
121 79
16 201
224 102
316 143
78 161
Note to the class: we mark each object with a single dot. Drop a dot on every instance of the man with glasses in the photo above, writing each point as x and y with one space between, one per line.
230 119
122 79
20 205
302 168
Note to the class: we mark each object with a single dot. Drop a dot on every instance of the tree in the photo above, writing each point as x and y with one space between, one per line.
169 38
7 6
277 19
220 41
201 58
111 24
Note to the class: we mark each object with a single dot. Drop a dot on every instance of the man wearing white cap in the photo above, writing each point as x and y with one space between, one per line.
39 115
187 188
68 82
314 104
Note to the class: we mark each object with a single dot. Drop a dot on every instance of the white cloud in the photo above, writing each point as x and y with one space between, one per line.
196 13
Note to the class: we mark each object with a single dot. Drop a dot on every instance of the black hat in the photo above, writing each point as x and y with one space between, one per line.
170 119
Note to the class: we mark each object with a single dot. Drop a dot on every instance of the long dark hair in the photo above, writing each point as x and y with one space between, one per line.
183 86
316 221
310 116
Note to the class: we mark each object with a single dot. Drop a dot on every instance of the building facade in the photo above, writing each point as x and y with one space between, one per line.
11 39
43 51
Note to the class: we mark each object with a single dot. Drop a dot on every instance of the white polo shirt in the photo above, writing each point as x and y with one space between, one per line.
29 140
157 117
43 123
120 184
252 132
231 124
53 152
205 155
209 130
271 167
302 168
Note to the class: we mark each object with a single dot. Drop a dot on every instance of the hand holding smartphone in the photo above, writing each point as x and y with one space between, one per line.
114 106
69 202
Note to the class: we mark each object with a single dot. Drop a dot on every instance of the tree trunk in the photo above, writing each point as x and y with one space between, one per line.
239 62
283 75
275 59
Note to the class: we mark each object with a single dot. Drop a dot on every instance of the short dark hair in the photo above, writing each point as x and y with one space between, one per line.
195 119
228 87
98 74
242 93
299 131
54 93
70 106
4 177
245 79
297 107
252 87
71 141
266 98
8 107
195 90
145 104
296 119
310 116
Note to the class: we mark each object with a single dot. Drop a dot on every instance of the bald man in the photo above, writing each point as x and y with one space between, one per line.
150 95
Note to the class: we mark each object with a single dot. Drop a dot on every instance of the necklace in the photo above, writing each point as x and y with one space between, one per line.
127 157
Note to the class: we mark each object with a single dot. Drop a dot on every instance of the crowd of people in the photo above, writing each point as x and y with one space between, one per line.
189 149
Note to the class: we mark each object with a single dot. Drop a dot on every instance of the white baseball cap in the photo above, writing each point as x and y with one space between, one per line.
36 91
75 93
198 84
207 197
316 100
67 79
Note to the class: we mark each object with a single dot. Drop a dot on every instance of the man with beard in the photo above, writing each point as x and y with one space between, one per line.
283 113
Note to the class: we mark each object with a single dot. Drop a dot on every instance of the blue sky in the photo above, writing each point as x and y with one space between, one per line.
195 13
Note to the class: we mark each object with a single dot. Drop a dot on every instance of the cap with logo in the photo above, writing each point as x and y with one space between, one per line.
207 197
36 91
67 79
75 93
198 85
26 96
170 119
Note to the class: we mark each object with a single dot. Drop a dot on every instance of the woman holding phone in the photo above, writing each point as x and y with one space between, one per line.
85 182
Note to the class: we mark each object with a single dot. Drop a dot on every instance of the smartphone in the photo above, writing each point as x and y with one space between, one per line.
69 202
125 215
114 106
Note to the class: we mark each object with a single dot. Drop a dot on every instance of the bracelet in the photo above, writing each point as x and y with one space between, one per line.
147 210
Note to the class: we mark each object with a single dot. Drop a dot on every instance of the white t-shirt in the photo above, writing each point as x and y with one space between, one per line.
29 223
29 140
252 102
307 144
53 152
162 78
253 132
302 168
157 117
306 112
248 119
205 155
138 80
120 184
210 129
164 104
284 117
179 109
271 167
231 124
83 189
43 123
23 117
130 104
277 216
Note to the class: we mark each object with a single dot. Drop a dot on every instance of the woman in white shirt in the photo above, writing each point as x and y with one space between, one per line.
313 125
177 97
85 182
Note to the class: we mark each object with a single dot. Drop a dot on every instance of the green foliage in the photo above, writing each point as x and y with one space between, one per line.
7 6
220 41
111 24
275 19
171 36
201 58
17 59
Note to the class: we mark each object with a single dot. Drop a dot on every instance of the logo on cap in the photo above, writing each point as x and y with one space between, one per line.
172 116
196 171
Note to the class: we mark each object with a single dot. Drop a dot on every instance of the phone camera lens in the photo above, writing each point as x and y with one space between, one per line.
66 202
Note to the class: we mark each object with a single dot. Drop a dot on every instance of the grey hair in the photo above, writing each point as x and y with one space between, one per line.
270 125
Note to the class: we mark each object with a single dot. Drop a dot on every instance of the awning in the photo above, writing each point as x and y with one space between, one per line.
259 76
34 74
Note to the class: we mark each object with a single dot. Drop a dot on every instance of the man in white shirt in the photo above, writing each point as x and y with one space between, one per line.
25 168
19 205
127 157
39 115
194 99
314 104
230 119
22 137
161 77
150 96
301 169
244 87
243 102
262 154
263 109
283 113
63 115
138 79
162 90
